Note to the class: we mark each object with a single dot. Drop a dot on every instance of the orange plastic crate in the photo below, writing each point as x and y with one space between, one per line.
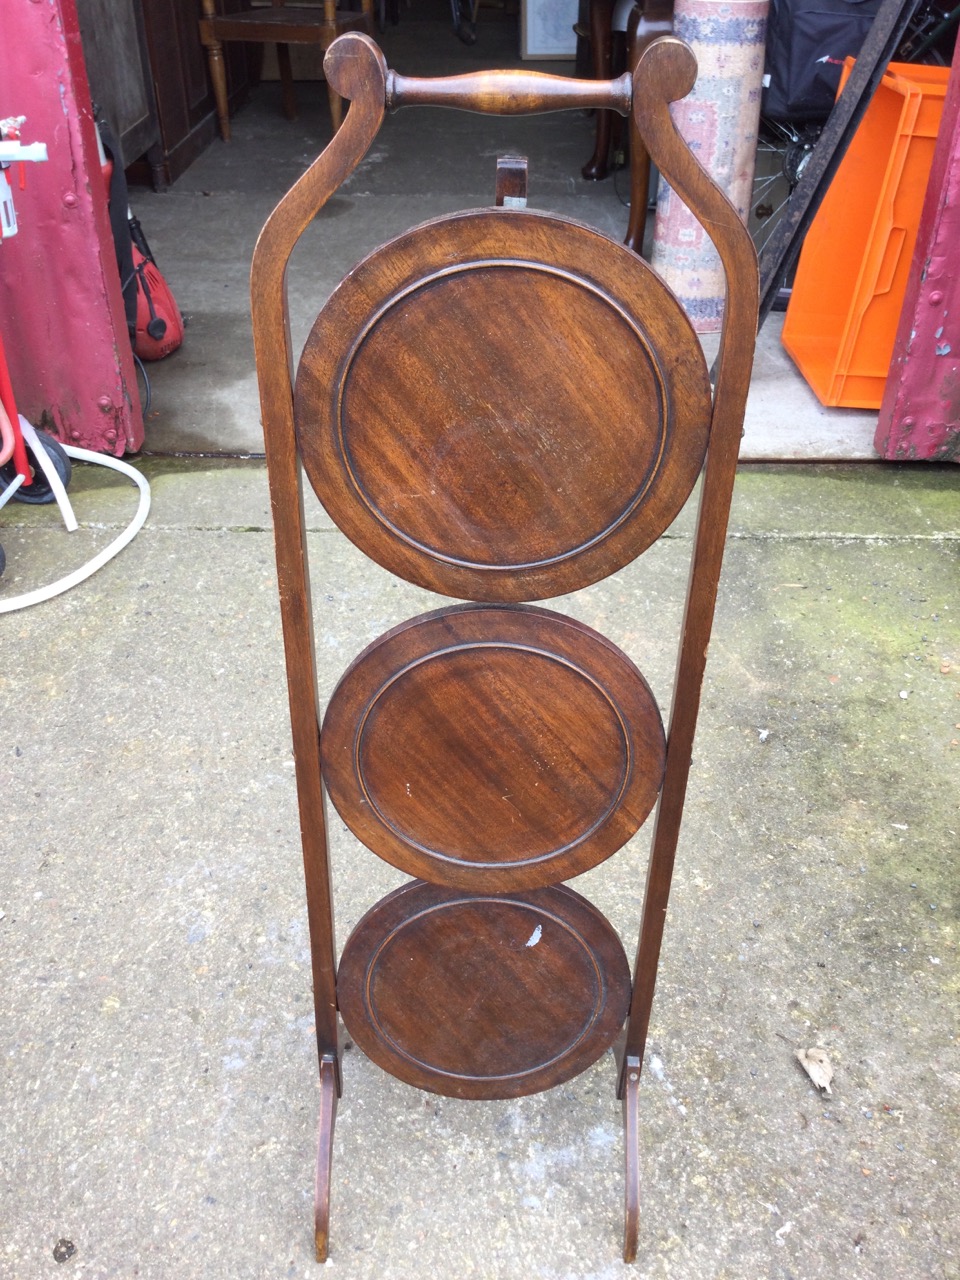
842 317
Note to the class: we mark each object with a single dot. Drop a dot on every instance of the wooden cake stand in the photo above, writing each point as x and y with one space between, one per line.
499 406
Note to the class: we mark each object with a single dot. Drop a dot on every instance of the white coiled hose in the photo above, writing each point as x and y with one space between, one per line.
100 559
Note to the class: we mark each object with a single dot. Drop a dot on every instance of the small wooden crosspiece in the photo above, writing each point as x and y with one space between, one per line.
511 182
499 406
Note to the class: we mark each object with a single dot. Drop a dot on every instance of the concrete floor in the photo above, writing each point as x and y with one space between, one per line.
426 162
159 1065
159 1096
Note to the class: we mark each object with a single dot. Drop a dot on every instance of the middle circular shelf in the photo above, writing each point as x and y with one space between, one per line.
493 747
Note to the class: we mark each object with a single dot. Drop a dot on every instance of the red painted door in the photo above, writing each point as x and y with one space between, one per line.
61 311
920 414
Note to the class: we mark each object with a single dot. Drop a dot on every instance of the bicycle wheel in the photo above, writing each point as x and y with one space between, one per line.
783 152
464 20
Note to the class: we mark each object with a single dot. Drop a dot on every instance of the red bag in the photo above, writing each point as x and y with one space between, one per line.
159 322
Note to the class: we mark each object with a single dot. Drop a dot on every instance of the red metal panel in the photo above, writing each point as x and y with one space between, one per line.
60 304
920 414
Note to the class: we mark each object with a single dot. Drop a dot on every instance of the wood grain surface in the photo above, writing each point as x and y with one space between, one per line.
502 405
493 747
482 996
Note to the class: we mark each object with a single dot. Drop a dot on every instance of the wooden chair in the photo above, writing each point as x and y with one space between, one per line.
648 19
500 406
283 25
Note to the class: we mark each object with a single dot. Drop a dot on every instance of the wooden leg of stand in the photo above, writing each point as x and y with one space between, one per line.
631 1142
287 95
328 1115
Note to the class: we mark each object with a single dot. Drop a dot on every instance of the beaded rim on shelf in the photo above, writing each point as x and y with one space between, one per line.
542 493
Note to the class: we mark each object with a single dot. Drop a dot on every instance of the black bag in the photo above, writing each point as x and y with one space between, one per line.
807 41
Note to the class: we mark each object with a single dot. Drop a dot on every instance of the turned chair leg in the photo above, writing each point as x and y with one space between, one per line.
601 48
639 191
639 156
336 107
218 77
289 98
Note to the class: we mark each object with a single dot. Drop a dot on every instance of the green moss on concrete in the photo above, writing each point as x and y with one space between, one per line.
861 500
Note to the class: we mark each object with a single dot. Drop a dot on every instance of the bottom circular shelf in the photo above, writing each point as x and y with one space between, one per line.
483 995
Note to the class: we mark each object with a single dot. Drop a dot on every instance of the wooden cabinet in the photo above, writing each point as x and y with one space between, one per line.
115 53
185 105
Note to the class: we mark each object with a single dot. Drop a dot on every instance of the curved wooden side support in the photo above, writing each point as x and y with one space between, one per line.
355 68
329 1090
508 93
631 1151
665 72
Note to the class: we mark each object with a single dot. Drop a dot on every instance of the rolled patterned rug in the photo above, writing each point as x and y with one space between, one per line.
719 120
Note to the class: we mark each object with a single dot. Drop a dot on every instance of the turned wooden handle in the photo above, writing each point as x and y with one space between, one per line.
508 93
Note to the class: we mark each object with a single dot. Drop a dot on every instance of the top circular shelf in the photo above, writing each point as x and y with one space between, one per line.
502 405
